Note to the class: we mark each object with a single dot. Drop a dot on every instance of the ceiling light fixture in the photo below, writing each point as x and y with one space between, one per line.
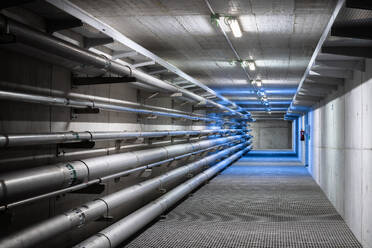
248 63
235 27
228 23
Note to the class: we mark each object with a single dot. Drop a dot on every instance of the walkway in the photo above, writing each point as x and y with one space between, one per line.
252 206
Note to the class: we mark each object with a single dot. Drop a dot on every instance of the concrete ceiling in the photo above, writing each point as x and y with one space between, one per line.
280 35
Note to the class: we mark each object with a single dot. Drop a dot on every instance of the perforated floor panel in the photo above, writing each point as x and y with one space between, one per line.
252 206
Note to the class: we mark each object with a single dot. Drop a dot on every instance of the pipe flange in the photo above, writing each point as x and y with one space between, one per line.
91 135
130 70
107 63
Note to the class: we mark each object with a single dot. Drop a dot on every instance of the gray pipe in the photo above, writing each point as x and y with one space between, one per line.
8 140
53 177
107 178
66 102
72 52
117 233
95 209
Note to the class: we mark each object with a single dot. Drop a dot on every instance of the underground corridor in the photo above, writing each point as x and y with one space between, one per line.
172 123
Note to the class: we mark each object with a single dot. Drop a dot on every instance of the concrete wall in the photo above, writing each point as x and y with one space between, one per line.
16 117
273 134
341 152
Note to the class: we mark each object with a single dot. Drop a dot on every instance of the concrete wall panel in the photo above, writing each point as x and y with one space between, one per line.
342 155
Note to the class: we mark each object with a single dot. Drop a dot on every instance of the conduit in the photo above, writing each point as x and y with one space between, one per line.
58 176
66 102
102 206
8 140
72 52
117 233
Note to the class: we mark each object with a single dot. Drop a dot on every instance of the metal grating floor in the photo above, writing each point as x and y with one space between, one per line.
252 206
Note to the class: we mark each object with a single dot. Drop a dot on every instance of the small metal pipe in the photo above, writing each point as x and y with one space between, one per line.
79 96
48 178
63 155
95 209
117 233
11 140
66 102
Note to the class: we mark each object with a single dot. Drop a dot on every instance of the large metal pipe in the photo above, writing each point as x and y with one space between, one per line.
53 177
79 96
11 140
117 233
65 155
95 209
72 52
106 178
66 102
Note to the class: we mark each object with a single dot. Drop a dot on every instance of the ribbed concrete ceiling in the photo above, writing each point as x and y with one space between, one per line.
279 34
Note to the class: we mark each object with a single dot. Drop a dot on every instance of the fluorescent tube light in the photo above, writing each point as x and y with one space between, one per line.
251 65
235 28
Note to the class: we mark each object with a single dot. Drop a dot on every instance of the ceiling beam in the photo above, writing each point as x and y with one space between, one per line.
142 64
123 54
353 30
314 92
304 103
324 80
101 80
93 42
13 3
308 98
359 4
354 51
358 65
311 86
157 72
332 73
58 25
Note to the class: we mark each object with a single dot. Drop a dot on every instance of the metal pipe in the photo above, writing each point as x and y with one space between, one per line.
72 52
11 140
95 209
48 178
79 96
66 102
117 233
103 179
63 155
